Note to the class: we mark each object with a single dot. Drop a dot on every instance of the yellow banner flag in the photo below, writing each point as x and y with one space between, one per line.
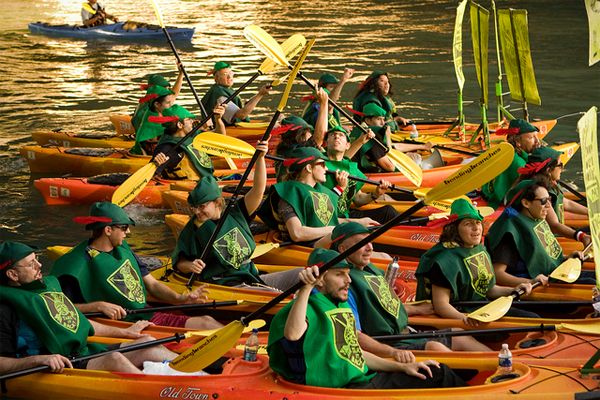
457 44
480 28
514 37
588 138
593 12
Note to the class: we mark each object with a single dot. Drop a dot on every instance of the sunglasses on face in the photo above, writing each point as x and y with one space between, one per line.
543 201
124 228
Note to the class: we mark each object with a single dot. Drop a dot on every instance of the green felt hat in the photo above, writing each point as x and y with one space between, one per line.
320 256
296 122
373 110
376 74
327 78
299 157
157 79
339 128
159 91
344 231
206 190
463 208
13 252
518 126
104 213
543 153
178 111
219 65
516 193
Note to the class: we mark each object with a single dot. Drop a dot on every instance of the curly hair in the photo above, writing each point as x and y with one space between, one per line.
450 233
370 85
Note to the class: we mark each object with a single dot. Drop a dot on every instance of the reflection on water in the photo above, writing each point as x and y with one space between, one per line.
51 83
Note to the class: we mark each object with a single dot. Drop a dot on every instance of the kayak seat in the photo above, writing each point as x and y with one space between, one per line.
89 151
114 179
529 343
237 366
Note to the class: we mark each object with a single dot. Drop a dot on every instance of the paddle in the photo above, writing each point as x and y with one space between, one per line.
177 307
404 163
234 197
138 181
472 175
591 328
442 147
570 189
137 346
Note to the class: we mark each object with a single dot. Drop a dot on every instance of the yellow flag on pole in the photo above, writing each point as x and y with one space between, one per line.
593 12
514 37
588 138
457 44
480 28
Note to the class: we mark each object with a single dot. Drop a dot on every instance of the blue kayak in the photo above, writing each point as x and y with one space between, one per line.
120 31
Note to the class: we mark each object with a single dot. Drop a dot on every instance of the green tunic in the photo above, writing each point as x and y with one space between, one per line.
195 164
361 157
469 271
331 351
57 323
214 93
113 276
381 311
387 104
229 261
495 190
311 113
558 205
533 239
146 131
345 199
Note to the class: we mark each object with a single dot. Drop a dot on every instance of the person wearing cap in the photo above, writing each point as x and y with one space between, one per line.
154 80
377 309
523 137
39 325
377 89
333 87
148 132
459 268
313 339
521 243
103 274
93 14
236 111
187 162
338 143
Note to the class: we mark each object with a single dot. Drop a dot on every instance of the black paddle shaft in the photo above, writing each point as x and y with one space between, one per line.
137 346
178 307
575 192
441 334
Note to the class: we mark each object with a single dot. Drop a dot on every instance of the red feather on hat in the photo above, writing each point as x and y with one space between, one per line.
162 120
284 128
356 112
508 131
533 168
85 220
147 98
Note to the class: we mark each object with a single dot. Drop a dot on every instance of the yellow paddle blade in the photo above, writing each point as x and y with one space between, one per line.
591 328
158 14
474 174
493 310
568 271
223 146
406 166
133 185
443 204
293 73
484 211
266 44
263 248
291 46
209 349
256 324
278 81
256 125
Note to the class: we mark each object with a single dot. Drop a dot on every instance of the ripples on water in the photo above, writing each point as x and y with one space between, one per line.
51 83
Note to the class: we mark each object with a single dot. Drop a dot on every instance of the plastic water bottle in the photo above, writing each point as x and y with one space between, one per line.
392 272
505 365
414 133
596 302
251 347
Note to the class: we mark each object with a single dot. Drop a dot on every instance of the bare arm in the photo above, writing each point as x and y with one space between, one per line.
253 198
371 345
296 325
56 362
133 332
575 207
111 310
440 298
178 82
300 233
322 117
358 143
376 363
337 90
251 104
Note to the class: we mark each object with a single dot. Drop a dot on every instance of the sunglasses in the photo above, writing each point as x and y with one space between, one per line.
543 201
124 228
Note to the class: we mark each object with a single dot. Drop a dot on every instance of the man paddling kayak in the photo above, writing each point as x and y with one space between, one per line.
41 326
459 268
93 14
103 274
313 339
236 111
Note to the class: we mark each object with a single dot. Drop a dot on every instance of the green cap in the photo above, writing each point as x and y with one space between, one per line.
522 126
159 91
516 193
344 231
463 208
219 65
320 256
373 110
206 190
105 213
178 111
296 121
327 78
339 128
302 156
13 252
157 79
543 153
376 74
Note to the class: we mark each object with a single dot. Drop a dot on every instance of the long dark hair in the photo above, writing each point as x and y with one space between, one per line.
159 99
369 85
450 233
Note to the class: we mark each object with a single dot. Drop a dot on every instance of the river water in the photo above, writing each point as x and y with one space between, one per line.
50 83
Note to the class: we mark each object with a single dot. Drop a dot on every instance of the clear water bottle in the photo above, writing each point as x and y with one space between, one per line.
596 302
505 365
392 272
251 347
414 133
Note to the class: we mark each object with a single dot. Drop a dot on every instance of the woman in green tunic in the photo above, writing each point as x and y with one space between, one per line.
154 80
147 134
459 267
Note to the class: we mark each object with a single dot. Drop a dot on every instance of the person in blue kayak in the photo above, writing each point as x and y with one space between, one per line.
236 111
93 14
39 325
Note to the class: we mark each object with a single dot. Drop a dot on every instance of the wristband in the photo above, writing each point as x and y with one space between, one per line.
338 190
579 235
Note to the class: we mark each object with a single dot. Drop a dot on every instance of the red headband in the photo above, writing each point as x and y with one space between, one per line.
162 120
90 220
290 161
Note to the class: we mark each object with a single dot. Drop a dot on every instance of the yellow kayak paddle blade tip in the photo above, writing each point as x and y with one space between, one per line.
493 310
568 271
